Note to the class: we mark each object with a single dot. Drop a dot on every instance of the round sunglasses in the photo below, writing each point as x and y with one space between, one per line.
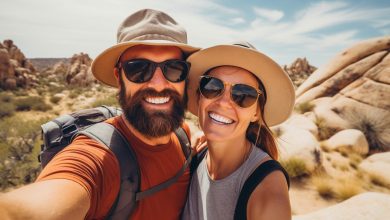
142 70
243 95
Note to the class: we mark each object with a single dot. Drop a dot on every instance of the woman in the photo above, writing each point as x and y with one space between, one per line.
237 92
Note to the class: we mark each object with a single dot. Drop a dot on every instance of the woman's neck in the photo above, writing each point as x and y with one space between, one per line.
225 157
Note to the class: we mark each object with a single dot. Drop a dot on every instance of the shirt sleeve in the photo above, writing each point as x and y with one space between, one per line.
93 166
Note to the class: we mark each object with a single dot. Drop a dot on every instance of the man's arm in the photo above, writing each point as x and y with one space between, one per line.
49 199
270 199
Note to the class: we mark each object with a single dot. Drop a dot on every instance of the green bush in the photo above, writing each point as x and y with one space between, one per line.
110 101
31 103
6 109
6 97
19 148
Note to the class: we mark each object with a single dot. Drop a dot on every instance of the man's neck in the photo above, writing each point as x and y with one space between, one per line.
153 141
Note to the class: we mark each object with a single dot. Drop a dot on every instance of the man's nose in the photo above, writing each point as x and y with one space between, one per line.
158 81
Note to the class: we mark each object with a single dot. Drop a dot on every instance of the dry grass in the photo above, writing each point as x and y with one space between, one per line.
324 186
379 180
304 107
340 189
295 167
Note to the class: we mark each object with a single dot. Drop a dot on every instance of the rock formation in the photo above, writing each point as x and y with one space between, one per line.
79 72
15 70
353 91
299 70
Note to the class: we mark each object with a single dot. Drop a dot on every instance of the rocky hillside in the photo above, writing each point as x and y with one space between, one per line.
299 70
15 70
41 64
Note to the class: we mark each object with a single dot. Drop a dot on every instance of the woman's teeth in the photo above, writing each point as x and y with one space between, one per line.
220 118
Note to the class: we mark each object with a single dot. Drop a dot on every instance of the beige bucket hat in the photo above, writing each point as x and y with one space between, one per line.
279 88
144 27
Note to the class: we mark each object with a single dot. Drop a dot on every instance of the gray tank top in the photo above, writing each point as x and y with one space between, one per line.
216 199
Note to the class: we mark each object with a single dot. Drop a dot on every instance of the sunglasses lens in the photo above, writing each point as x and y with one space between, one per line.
243 95
138 71
210 87
176 70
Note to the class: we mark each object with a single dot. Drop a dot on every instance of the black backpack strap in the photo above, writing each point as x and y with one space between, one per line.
251 183
197 159
184 141
129 170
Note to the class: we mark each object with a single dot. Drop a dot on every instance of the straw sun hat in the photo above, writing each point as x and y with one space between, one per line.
279 88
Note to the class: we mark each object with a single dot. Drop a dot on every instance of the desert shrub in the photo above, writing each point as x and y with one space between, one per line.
20 145
6 109
304 107
56 89
20 92
324 132
31 103
277 131
55 99
345 189
324 186
6 97
109 100
378 180
374 123
295 167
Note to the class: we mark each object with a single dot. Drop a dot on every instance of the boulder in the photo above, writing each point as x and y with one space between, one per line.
344 59
299 70
300 121
351 140
301 144
353 91
378 166
365 206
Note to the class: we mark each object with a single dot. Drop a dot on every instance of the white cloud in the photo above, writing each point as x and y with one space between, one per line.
237 20
55 28
269 14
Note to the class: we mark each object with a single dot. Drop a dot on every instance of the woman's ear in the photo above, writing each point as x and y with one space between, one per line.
256 116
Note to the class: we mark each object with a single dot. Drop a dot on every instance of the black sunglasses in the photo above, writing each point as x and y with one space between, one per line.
142 70
243 95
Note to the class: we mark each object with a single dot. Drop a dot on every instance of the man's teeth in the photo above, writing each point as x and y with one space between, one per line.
157 100
220 118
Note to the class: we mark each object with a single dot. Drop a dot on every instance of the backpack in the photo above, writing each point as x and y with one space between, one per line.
250 184
59 133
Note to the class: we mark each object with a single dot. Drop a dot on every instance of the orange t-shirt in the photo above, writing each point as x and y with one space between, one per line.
96 168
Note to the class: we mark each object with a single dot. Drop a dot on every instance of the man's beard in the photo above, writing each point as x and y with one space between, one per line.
152 123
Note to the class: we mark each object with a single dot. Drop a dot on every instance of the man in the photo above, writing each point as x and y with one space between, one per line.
148 67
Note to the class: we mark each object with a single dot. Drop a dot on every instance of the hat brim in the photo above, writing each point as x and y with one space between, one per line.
103 65
278 86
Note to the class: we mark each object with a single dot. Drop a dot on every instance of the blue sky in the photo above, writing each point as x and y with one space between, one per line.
284 30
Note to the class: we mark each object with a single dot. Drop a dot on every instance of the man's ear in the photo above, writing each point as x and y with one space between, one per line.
116 74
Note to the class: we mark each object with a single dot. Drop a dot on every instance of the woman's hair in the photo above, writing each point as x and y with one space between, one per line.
258 132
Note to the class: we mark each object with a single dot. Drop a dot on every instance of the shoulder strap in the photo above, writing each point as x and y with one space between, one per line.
129 170
185 146
184 141
251 183
197 159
